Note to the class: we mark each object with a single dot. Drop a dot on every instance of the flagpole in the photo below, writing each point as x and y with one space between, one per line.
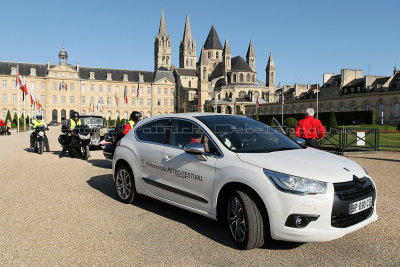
24 112
17 98
126 97
317 100
283 99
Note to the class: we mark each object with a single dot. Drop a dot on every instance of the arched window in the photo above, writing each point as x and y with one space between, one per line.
204 73
234 77
163 59
367 106
167 60
254 78
54 115
248 78
209 54
341 107
190 83
396 109
241 77
63 115
381 108
217 54
191 62
187 62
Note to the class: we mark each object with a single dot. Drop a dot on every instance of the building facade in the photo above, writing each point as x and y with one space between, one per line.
215 81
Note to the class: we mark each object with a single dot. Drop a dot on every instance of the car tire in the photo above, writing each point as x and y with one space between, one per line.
125 185
246 219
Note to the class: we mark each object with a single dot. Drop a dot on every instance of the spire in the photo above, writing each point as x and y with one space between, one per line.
187 33
213 41
250 51
227 49
271 64
162 31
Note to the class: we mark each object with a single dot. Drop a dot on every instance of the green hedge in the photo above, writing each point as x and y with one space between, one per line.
342 118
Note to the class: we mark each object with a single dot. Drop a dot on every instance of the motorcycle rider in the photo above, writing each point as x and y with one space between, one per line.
133 118
37 121
71 124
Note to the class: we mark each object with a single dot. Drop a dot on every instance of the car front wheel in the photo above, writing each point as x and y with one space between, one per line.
125 185
245 218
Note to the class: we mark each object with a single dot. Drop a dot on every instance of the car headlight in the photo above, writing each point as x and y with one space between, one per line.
295 185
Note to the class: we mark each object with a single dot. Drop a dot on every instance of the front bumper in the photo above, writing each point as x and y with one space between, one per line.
327 206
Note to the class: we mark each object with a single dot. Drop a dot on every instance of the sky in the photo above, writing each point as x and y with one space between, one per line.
306 37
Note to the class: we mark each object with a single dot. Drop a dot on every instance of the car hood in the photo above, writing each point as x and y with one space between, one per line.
308 163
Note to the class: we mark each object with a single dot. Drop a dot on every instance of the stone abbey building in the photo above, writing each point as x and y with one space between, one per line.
215 80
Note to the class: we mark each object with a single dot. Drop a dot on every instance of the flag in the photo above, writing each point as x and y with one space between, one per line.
38 104
33 98
21 85
116 98
63 85
59 88
90 106
138 87
98 104
125 95
258 104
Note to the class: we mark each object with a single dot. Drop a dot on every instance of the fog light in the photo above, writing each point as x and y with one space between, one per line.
300 220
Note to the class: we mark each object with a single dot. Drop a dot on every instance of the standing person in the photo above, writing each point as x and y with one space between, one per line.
133 118
310 129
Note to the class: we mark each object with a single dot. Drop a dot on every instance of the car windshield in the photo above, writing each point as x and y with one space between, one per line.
92 121
244 135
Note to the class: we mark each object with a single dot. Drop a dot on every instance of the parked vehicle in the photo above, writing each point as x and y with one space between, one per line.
40 141
259 182
77 144
96 124
112 137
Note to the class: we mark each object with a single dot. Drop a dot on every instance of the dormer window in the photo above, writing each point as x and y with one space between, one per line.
125 77
33 72
109 77
91 75
13 71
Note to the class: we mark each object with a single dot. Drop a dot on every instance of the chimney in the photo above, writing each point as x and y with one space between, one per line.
77 66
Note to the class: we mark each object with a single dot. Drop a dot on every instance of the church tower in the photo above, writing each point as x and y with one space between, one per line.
162 47
251 57
187 48
226 54
270 70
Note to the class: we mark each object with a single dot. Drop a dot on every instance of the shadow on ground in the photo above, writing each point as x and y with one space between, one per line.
200 224
101 163
391 160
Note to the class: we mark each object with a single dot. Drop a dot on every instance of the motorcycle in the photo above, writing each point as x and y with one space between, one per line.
111 139
5 130
40 141
78 143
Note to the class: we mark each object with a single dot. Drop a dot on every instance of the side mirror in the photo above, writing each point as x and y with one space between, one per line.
194 148
299 140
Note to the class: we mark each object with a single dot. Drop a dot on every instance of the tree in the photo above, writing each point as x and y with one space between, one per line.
332 121
241 113
272 123
15 120
8 117
256 117
209 109
290 122
118 120
27 120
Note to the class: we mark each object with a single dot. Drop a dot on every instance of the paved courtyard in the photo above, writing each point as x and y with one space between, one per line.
64 212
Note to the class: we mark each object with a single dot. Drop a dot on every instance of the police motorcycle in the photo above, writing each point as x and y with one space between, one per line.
77 144
40 141
112 137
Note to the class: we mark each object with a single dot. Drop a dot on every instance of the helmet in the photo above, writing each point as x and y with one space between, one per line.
75 114
39 117
135 116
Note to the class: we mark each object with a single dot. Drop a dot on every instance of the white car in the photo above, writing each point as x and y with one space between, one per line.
257 181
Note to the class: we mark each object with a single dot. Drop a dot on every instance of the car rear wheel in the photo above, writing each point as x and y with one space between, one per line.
125 185
245 218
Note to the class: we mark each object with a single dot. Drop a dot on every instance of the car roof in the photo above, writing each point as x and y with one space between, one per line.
191 115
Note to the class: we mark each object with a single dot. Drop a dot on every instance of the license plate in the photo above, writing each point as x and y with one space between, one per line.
361 205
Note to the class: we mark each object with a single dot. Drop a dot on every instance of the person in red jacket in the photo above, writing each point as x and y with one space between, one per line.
133 118
310 129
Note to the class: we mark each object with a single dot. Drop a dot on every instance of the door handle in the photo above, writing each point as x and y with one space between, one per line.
168 158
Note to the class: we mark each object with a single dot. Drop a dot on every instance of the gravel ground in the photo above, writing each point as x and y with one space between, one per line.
64 212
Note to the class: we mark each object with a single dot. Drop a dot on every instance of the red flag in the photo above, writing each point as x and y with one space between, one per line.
21 85
138 87
38 104
258 104
66 87
116 98
125 95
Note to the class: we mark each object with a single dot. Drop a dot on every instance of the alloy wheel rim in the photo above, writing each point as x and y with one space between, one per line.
236 220
123 184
